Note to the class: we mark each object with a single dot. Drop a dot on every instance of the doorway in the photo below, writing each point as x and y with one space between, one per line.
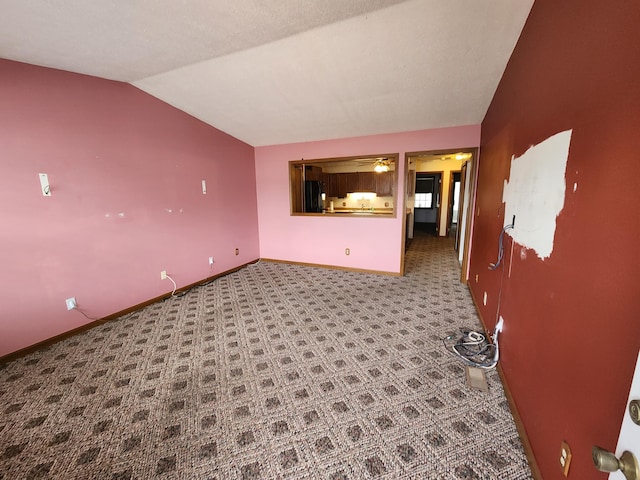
456 187
428 192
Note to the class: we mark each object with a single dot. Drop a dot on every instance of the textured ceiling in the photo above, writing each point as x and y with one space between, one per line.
281 71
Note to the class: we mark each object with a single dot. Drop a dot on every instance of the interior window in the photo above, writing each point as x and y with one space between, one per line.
425 185
423 200
362 186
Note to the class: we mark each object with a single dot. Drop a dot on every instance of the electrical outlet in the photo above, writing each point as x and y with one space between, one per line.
163 275
71 303
237 251
484 299
347 251
210 260
565 457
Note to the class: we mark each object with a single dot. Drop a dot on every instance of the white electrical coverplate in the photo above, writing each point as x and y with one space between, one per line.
71 303
44 184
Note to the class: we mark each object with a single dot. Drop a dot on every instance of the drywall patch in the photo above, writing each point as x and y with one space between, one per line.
535 193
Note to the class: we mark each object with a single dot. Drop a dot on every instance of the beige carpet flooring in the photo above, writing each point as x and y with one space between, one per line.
275 371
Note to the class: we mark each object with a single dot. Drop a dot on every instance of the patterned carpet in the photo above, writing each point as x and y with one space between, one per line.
274 371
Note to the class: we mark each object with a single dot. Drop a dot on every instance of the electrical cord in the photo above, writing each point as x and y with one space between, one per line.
173 294
124 317
203 284
175 287
493 266
85 315
474 349
473 338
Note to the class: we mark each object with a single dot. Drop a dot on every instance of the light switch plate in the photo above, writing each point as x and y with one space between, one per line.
44 184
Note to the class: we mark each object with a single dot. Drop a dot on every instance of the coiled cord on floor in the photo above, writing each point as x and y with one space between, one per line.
474 349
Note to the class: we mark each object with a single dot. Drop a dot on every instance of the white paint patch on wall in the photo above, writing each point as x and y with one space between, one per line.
535 193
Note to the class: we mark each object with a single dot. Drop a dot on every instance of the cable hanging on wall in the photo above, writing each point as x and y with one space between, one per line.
493 266
474 348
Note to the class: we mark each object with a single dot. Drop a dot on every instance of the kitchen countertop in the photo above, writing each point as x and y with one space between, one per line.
361 212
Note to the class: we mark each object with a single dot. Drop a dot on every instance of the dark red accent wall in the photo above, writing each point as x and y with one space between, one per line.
572 321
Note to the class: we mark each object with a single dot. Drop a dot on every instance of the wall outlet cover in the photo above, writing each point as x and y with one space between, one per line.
565 457
71 303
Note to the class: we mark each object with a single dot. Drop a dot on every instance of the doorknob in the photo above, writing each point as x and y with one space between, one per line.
634 411
606 461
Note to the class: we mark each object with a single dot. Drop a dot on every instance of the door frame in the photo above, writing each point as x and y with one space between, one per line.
467 207
452 174
468 213
437 199
463 182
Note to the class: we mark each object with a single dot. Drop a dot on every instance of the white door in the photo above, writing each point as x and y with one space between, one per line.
629 438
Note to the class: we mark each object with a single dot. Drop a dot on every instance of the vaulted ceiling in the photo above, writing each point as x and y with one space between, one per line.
282 71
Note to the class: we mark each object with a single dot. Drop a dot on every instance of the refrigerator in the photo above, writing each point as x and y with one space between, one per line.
313 196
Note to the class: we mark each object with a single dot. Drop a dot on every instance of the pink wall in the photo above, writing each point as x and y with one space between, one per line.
571 333
125 171
375 243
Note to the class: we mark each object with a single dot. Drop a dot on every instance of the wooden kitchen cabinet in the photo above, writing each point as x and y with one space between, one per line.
330 181
384 184
325 183
341 185
366 182
312 173
353 182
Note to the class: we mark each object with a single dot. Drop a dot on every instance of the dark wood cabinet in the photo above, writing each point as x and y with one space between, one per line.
367 182
312 173
330 183
341 185
384 184
353 182
325 183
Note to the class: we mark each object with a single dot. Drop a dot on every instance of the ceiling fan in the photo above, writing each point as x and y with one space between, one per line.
381 165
